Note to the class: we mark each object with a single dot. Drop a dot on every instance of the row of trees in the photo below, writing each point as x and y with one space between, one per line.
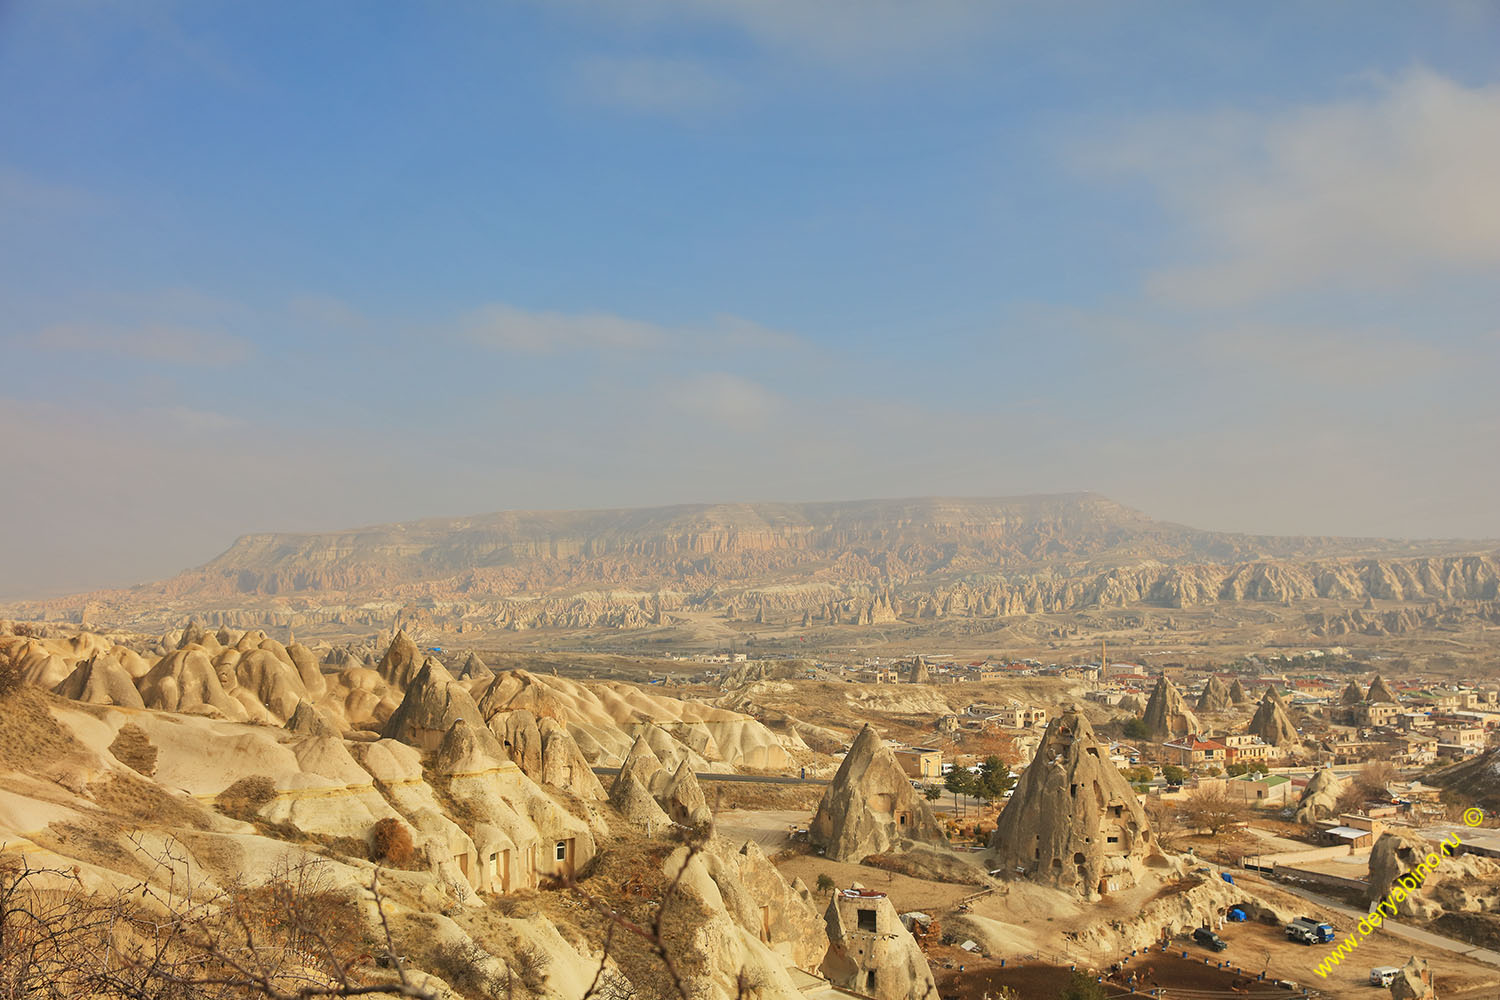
989 782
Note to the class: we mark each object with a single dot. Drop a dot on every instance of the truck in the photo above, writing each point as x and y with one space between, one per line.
1322 930
1209 939
1301 932
1382 975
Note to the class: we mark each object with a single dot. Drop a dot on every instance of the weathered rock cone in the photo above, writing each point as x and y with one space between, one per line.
1237 693
101 680
683 799
1352 695
401 661
1320 797
1272 724
1381 691
871 952
870 805
433 702
918 673
1073 821
1167 714
1215 696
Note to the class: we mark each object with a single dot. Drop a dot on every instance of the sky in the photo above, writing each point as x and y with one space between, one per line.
287 267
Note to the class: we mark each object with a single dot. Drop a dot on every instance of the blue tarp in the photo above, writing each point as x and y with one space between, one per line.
1236 914
1227 877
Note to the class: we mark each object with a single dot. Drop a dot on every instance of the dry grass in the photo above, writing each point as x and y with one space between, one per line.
133 748
244 799
29 737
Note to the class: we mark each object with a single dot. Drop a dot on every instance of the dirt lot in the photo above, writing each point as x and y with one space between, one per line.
906 893
768 828
1255 947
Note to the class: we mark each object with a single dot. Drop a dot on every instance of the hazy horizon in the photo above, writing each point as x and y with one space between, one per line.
290 268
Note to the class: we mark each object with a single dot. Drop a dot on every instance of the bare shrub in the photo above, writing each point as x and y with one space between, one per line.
10 680
245 798
391 843
133 748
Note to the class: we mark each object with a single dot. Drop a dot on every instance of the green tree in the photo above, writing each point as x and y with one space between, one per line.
1236 769
932 793
960 781
825 883
1081 987
1135 729
993 780
1174 774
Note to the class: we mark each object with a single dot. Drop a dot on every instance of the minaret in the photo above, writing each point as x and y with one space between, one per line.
1103 659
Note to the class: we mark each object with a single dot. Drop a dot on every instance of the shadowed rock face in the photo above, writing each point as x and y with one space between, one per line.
433 703
1413 982
1167 714
1073 821
1352 695
1215 696
871 952
1237 693
1381 691
871 805
1272 724
1320 797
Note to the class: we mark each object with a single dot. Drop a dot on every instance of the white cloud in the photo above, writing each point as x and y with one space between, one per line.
731 400
519 331
522 331
147 342
1391 188
654 84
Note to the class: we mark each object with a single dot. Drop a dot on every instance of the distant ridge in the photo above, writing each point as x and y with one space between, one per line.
846 562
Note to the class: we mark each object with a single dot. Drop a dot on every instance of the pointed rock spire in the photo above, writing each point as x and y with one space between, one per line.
1167 714
870 804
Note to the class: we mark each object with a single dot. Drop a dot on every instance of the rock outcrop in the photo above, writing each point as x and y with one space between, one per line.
1215 696
401 661
1320 797
434 701
1413 982
870 952
1167 714
1352 695
1381 691
918 673
1237 693
870 806
1271 722
1073 821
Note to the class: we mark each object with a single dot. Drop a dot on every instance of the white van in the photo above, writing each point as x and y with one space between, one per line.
1383 975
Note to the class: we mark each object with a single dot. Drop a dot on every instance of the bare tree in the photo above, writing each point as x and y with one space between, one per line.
1212 809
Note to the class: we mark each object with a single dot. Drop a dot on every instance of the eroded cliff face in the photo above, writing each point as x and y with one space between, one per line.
857 563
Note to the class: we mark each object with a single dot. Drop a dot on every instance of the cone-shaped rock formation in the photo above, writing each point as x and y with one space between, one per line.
1167 714
1381 691
1073 821
1320 797
1237 693
1271 723
870 805
1215 696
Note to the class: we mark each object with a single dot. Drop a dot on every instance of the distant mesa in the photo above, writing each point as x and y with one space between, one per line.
853 563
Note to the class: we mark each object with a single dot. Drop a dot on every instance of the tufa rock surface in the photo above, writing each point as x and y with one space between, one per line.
1167 714
1073 821
871 806
1271 723
1215 696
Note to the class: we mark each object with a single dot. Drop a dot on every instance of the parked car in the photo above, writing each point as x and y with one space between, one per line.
1383 975
1209 939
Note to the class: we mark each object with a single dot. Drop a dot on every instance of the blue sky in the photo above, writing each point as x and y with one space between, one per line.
298 266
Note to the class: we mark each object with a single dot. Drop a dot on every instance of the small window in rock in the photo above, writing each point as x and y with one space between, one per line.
1112 840
867 920
870 980
561 850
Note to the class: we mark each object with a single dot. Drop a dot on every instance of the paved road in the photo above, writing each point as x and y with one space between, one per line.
769 779
1416 934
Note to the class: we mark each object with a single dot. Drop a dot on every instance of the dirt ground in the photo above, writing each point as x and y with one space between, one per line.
1255 946
768 828
906 893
